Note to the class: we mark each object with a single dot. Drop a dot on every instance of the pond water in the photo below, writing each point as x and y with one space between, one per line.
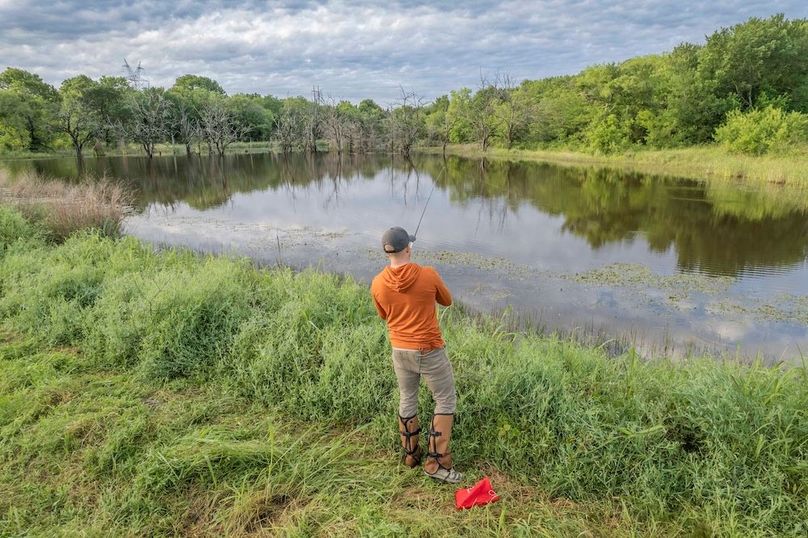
667 265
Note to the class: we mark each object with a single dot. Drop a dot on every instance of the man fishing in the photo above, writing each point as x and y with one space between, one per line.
405 294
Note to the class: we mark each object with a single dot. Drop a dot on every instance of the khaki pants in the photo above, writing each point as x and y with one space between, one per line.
434 365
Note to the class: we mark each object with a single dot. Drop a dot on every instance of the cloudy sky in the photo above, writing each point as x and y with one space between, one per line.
353 49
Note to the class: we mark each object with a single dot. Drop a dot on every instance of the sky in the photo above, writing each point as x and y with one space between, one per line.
353 49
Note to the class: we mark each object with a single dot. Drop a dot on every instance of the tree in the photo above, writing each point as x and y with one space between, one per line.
298 123
371 125
14 134
561 111
513 112
288 130
607 134
458 114
190 96
108 100
250 112
482 113
312 121
405 123
148 123
76 117
692 105
756 58
218 126
33 106
183 122
439 123
338 119
192 83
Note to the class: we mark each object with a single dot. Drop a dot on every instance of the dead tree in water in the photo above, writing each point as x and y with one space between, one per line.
312 120
337 125
288 130
404 123
187 127
149 119
219 127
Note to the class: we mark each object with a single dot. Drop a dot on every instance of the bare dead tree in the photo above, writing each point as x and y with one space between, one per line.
148 120
364 135
219 127
405 123
312 120
187 126
354 133
288 130
336 125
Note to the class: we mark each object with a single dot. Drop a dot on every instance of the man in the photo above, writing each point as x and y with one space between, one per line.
405 294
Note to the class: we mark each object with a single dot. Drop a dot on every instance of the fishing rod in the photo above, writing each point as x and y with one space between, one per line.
428 198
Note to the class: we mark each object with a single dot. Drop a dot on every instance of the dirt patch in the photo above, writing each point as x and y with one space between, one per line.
266 511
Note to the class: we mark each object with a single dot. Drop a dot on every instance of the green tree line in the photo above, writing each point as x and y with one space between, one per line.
746 87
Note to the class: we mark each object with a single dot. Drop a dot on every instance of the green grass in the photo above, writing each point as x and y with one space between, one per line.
164 392
710 163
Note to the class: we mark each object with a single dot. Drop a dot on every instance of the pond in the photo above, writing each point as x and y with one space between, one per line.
666 265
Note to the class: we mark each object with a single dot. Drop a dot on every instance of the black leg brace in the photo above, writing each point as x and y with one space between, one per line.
408 450
432 445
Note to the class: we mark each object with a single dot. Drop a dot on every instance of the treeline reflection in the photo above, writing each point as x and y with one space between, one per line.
713 228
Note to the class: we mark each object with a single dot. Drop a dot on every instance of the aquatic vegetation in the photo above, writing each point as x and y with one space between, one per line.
166 392
631 274
788 308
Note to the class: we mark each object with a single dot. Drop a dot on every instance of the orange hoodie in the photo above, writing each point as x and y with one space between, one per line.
405 297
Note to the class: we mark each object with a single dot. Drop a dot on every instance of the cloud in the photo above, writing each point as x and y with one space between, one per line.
352 49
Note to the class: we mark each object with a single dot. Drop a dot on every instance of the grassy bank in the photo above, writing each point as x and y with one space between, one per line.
164 392
710 163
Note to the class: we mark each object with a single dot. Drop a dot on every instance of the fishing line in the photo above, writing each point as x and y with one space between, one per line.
428 198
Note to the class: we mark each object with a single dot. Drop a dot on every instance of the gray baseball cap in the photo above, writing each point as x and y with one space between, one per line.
396 239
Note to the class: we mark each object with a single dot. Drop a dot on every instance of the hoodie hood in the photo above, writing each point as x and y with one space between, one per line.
401 278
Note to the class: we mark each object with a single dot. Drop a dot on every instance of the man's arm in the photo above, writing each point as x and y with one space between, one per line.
442 294
379 308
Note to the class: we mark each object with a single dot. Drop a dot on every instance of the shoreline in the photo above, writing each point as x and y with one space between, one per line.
707 163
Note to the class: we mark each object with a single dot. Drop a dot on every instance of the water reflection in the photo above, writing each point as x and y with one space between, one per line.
713 229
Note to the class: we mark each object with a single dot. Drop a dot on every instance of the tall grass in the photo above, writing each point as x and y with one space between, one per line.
64 208
701 446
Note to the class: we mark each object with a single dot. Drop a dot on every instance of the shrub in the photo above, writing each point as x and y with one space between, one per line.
607 134
762 131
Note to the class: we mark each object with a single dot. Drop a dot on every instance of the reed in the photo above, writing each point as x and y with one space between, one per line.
63 208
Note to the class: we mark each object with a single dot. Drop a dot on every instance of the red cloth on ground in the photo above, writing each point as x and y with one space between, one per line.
477 495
